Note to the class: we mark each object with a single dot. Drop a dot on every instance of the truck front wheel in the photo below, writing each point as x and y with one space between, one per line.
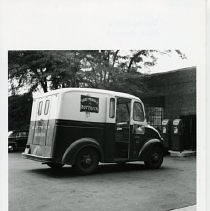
155 158
86 161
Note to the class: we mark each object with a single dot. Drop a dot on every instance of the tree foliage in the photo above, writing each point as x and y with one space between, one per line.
19 107
106 69
38 68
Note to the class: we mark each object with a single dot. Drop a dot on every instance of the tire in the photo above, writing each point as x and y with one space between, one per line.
55 165
155 158
12 149
86 161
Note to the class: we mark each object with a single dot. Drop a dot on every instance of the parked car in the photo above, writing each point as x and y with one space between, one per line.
17 140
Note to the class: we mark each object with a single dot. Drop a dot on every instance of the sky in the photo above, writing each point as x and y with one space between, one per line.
169 62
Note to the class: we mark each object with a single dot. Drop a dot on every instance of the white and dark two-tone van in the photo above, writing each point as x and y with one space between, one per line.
82 127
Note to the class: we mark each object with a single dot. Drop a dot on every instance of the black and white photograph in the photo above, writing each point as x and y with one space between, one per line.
99 124
103 106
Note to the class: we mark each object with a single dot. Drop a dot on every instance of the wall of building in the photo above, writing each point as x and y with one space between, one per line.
175 91
179 105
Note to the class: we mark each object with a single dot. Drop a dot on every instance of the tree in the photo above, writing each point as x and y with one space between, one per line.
47 69
19 107
28 67
107 69
110 70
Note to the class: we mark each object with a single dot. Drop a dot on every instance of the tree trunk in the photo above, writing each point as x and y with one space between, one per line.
114 58
44 86
132 60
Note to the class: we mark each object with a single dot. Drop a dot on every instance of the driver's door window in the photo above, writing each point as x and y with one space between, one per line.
123 111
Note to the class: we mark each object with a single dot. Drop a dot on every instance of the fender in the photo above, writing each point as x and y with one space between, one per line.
70 154
143 153
154 129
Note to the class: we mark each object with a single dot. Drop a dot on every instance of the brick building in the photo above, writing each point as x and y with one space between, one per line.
172 95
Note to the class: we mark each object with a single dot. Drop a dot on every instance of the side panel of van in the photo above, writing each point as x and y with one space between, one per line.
73 103
67 132
74 123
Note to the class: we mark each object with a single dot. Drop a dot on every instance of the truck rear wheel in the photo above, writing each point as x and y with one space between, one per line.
155 158
86 161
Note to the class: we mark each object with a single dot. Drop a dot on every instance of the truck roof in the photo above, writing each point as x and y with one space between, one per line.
91 90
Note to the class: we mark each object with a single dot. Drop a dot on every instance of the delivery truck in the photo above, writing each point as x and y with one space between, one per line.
82 127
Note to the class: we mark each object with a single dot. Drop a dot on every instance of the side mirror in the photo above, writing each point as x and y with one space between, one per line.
138 129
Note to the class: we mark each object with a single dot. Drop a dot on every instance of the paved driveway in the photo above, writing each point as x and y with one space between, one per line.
35 187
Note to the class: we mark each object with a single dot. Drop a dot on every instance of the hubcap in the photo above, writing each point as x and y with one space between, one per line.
11 148
155 157
86 161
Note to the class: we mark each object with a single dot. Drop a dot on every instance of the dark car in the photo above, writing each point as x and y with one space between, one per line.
17 140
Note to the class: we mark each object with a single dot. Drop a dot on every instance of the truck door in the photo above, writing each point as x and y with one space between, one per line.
42 120
122 135
138 123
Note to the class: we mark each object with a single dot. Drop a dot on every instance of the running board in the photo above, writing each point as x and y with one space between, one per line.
121 159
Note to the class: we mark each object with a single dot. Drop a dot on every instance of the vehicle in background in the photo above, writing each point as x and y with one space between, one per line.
17 140
82 127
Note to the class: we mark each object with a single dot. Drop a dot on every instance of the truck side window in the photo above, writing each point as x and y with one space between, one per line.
40 108
46 107
138 112
112 108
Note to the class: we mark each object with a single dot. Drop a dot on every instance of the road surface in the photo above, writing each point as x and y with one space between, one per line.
36 187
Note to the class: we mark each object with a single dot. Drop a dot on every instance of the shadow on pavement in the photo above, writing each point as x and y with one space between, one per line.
68 171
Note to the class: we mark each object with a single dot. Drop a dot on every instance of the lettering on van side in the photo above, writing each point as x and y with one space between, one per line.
89 104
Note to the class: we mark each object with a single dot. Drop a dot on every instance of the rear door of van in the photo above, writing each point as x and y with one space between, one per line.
42 129
42 120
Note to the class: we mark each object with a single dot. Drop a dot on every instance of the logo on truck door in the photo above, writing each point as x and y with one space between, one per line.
89 104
